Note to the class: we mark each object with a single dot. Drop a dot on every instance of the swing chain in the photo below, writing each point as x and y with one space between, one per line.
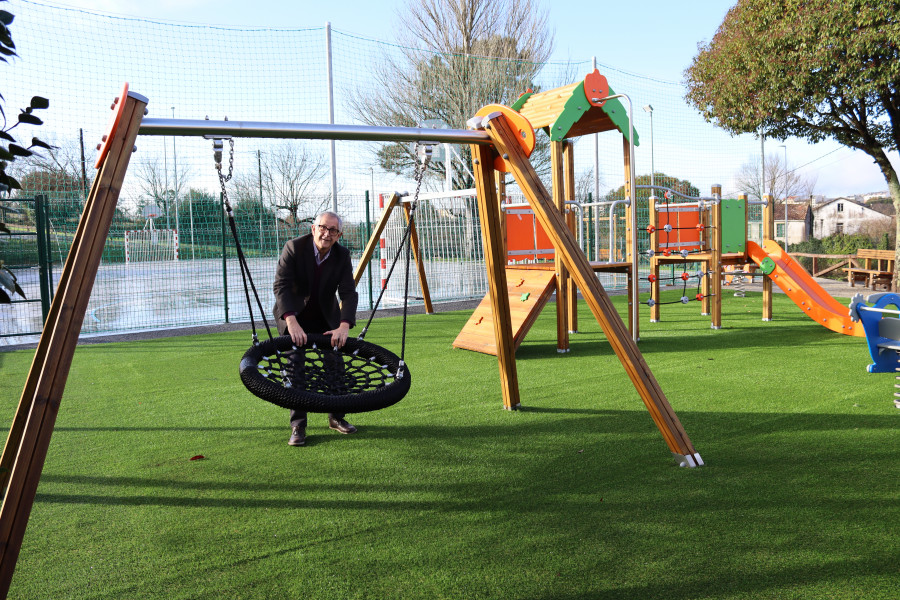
218 147
423 157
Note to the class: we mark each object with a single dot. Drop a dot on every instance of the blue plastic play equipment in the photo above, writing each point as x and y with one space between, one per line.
882 330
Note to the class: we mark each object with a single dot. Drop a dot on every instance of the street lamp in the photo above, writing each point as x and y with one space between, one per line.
649 109
785 198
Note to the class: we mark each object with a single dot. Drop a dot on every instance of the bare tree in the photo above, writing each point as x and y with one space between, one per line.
584 185
780 181
161 187
291 174
456 57
57 169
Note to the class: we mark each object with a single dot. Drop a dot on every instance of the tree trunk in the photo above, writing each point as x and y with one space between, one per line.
890 175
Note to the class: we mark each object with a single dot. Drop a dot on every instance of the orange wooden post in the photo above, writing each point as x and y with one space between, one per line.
417 257
768 233
571 219
577 263
39 405
495 261
375 237
715 261
500 182
654 260
705 219
630 234
562 275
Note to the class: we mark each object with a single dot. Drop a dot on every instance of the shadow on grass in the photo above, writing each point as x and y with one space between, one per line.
579 496
628 434
159 429
771 584
678 340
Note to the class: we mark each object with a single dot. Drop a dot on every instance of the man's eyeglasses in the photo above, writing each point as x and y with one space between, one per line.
332 230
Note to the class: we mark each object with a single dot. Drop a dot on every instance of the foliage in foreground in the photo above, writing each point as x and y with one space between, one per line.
10 149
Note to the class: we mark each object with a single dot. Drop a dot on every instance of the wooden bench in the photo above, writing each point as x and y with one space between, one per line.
874 268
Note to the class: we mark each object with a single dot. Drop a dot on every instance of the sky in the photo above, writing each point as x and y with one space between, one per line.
655 39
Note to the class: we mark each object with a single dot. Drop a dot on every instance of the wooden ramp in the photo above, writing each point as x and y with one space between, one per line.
529 290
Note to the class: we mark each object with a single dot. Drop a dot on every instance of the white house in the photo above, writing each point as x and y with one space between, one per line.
843 215
799 223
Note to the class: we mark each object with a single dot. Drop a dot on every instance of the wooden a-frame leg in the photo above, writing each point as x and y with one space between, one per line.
375 237
562 275
495 261
29 438
417 257
618 335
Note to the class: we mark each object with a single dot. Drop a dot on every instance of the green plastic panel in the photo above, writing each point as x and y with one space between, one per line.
618 115
734 226
578 104
767 266
520 102
574 109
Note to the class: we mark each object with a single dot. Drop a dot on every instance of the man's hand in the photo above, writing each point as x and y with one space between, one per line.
298 336
339 335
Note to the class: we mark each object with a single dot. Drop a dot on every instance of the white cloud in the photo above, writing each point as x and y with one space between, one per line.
850 172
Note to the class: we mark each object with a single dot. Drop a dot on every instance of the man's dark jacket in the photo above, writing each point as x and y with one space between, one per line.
294 278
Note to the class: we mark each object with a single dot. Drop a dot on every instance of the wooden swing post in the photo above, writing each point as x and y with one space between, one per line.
569 178
495 260
557 167
768 233
29 437
417 258
577 263
375 237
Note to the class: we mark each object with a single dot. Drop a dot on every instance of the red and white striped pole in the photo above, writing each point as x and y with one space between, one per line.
382 243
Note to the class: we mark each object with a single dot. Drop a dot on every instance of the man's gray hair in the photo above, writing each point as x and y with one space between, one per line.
331 214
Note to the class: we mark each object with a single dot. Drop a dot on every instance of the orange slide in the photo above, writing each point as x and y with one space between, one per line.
800 287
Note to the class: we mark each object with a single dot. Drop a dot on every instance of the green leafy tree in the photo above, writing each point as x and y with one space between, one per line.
661 181
643 182
814 69
10 149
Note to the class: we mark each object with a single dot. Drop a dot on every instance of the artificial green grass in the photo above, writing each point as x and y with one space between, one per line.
447 495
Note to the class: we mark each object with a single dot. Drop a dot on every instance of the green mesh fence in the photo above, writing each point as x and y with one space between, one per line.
79 60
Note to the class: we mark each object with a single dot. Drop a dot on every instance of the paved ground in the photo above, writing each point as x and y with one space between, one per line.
361 318
837 289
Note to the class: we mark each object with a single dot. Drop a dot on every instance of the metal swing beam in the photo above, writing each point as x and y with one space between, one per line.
310 131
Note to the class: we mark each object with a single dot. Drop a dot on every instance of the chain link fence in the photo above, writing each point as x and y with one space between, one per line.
78 60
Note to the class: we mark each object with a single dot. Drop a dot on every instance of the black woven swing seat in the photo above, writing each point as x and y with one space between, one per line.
360 377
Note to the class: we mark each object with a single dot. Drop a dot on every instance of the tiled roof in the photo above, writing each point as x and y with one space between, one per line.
796 212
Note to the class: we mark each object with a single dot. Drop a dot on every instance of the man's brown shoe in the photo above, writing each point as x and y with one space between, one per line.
341 425
298 437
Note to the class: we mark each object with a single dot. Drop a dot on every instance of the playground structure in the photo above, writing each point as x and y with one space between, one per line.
496 139
882 330
683 233
712 232
376 239
534 270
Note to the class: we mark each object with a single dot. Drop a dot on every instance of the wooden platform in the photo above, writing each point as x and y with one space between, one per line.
617 267
529 290
538 280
